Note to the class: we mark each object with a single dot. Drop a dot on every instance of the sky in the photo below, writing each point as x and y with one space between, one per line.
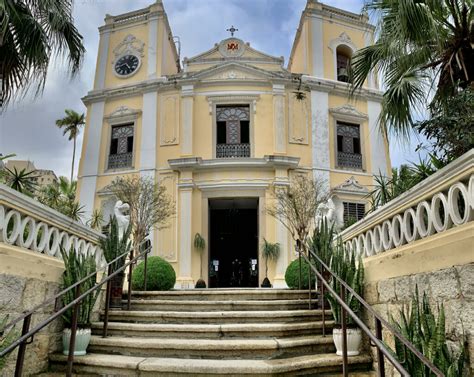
27 128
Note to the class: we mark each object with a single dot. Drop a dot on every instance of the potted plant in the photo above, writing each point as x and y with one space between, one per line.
77 267
344 265
113 246
269 251
200 245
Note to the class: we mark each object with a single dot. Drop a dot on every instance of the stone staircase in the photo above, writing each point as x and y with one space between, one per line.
214 332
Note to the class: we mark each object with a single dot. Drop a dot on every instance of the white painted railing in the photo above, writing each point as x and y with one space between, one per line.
440 202
26 223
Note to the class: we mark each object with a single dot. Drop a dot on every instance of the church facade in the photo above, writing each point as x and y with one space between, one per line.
225 128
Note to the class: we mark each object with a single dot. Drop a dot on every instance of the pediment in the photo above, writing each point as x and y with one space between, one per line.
236 71
122 112
348 111
351 186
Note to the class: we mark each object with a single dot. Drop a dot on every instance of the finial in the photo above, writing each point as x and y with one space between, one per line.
232 30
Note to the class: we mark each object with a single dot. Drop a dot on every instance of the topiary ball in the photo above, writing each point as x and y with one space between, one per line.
160 275
293 272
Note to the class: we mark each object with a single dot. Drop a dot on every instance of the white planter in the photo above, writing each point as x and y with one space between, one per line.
354 339
83 337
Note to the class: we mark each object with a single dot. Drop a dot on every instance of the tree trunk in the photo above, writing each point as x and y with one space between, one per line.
73 157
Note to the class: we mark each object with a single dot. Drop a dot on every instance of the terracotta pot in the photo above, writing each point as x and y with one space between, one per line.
354 339
116 290
83 337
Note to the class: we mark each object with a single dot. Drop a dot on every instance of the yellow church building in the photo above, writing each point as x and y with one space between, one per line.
222 129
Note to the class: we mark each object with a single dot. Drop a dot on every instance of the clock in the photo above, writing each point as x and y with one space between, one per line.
127 65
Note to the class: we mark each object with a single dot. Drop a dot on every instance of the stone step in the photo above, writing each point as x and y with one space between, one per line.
213 331
223 294
270 348
218 317
117 365
219 305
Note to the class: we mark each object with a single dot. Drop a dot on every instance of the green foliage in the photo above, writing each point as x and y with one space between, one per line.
293 272
423 49
426 331
22 181
96 220
321 243
199 242
344 265
269 251
77 267
114 245
32 32
61 196
6 339
160 275
450 130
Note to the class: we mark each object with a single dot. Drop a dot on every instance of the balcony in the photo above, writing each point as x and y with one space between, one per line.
232 150
120 160
349 160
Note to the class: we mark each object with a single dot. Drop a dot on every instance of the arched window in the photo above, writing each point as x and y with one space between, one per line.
343 59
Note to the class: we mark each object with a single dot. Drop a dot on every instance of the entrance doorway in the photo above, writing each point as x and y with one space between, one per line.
233 235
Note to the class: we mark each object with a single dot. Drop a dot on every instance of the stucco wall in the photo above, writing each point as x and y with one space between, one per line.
448 281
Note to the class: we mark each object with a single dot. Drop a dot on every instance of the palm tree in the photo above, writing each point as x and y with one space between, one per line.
269 251
425 51
31 32
72 123
22 181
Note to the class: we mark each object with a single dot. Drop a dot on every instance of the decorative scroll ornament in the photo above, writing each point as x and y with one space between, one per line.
129 46
351 186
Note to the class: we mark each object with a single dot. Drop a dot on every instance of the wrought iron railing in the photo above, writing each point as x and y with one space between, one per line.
120 160
349 160
232 150
27 335
383 352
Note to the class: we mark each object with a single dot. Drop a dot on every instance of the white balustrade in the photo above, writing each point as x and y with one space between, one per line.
442 201
26 223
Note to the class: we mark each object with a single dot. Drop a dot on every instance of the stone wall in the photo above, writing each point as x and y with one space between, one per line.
453 287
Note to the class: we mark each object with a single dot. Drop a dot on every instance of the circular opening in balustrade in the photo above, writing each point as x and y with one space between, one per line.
423 219
377 240
52 246
41 237
440 212
355 247
458 204
369 242
387 241
408 225
361 245
27 232
2 219
397 230
12 227
471 191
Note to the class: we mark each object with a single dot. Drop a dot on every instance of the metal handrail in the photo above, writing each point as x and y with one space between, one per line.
382 350
26 334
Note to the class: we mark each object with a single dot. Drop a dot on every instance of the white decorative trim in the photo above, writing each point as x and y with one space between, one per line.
351 186
378 151
148 139
232 47
129 46
122 114
279 117
345 40
231 98
92 144
185 244
320 136
152 47
317 48
349 113
102 59
187 113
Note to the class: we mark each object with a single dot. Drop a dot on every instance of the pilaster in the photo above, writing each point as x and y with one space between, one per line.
282 238
279 117
185 188
148 139
320 137
187 103
102 59
378 154
152 52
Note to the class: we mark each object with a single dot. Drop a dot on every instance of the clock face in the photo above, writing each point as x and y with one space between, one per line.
126 65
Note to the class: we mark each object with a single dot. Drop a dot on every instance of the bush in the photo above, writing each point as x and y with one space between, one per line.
160 275
293 272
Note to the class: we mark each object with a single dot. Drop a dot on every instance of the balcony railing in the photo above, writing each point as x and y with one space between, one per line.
121 160
232 150
349 160
440 202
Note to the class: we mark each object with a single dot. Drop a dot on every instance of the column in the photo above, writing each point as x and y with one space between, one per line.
320 137
282 238
90 165
378 146
148 140
184 280
279 118
102 59
187 98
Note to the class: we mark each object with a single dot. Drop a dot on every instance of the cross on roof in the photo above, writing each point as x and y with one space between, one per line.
232 30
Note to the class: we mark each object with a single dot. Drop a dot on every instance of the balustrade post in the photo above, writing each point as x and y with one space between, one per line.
107 303
380 358
22 348
345 371
72 342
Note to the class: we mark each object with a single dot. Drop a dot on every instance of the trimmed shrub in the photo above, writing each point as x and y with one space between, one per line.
293 272
160 275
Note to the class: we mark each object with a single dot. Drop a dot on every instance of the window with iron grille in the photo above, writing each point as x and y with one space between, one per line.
233 131
353 211
348 146
121 146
